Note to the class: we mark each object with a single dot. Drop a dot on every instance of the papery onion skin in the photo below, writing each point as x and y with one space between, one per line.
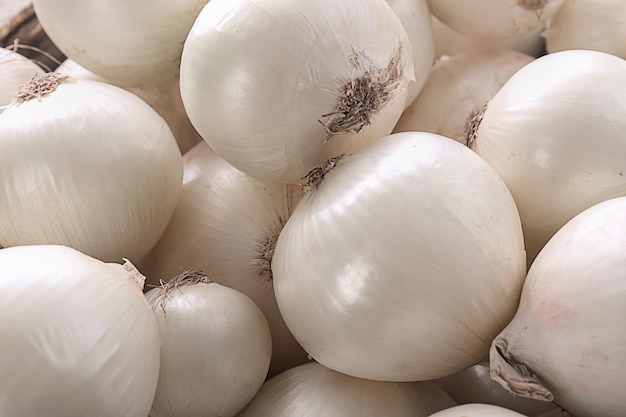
225 224
276 87
311 390
598 25
88 165
215 348
77 337
494 19
416 19
15 69
477 410
567 337
554 132
457 89
133 43
474 385
404 263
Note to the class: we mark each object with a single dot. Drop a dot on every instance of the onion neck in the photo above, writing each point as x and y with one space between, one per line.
532 4
39 86
515 377
190 277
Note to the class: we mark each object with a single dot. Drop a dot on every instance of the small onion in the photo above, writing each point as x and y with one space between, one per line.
477 410
87 165
163 98
494 19
598 25
276 87
403 262
457 89
215 348
567 340
555 134
226 224
474 385
77 337
132 43
15 69
311 390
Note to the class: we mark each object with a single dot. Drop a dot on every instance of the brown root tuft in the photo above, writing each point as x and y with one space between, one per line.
316 175
473 125
39 86
363 96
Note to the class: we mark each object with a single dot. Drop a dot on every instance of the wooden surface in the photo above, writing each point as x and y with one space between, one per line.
20 30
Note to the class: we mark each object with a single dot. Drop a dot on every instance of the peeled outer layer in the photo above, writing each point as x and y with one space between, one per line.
87 165
450 42
598 25
474 385
404 263
567 339
226 224
457 89
555 134
494 19
477 410
132 43
15 69
276 87
77 337
215 350
312 390
416 19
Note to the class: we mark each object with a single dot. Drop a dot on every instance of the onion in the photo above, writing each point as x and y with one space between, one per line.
555 413
403 262
567 339
597 25
275 109
215 348
477 410
311 390
555 134
77 337
450 42
226 225
163 98
132 43
494 19
474 385
87 165
15 69
457 89
416 19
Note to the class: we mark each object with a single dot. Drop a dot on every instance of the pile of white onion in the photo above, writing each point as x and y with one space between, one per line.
299 208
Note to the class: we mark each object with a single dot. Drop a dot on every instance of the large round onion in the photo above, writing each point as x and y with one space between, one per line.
403 263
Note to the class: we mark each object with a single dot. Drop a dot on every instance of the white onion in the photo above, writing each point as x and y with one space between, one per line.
598 25
450 42
15 69
474 385
555 413
134 43
555 134
477 410
494 19
226 225
276 87
215 348
567 339
164 98
457 89
311 390
416 19
404 262
77 337
87 165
